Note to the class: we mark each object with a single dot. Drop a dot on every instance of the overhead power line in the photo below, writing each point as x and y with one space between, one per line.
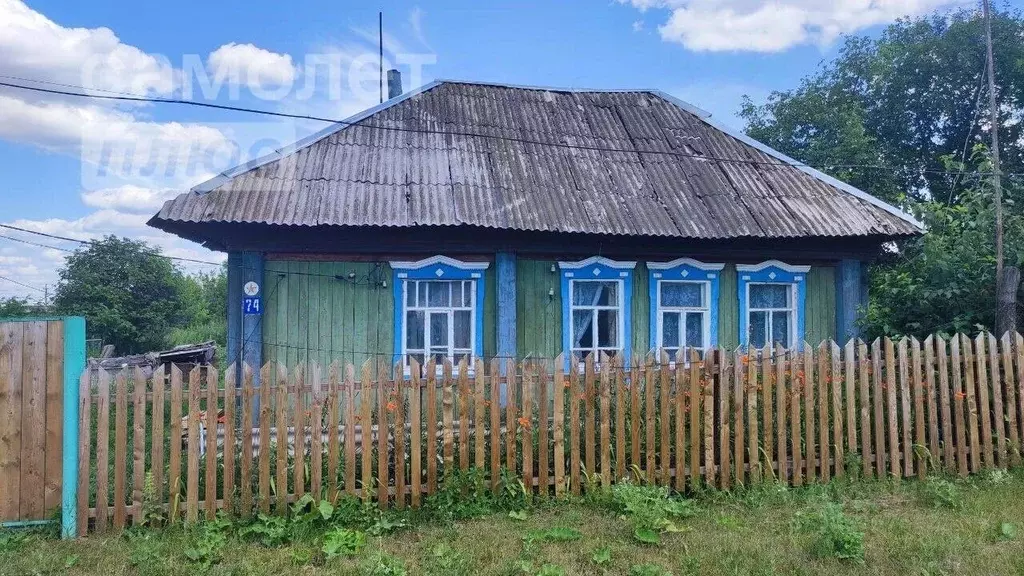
89 243
22 284
122 97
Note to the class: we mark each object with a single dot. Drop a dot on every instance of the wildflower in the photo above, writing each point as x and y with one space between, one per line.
392 406
487 403
960 395
524 421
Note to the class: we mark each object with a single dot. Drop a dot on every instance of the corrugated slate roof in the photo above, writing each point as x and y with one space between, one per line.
519 158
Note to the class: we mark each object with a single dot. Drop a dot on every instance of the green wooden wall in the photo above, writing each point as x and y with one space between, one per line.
539 324
311 315
728 308
538 309
821 304
315 313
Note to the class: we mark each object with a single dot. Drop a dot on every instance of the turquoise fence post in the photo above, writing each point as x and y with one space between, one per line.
74 363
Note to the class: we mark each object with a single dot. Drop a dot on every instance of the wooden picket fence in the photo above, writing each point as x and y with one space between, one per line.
186 445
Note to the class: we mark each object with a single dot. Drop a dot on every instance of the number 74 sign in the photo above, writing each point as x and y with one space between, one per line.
252 305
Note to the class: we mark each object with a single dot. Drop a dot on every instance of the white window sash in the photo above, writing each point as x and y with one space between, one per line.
769 320
594 348
660 310
450 349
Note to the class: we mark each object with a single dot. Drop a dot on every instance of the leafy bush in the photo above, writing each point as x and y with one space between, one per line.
651 510
834 534
343 542
940 492
269 531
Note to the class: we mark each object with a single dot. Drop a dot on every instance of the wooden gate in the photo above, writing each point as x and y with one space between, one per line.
33 370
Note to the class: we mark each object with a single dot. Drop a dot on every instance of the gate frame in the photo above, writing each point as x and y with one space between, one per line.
74 364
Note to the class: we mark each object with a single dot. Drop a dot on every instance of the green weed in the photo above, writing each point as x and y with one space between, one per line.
343 542
602 556
939 492
557 534
834 534
447 561
651 510
648 570
382 564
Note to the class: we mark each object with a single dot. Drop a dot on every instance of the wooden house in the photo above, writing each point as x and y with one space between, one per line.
483 220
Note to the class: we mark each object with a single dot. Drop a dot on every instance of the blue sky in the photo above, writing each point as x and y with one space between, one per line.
708 52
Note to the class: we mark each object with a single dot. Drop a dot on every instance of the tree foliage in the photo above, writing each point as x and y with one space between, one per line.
913 100
906 100
14 307
944 281
130 297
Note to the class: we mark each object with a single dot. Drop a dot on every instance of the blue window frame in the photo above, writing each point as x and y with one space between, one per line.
596 307
439 304
772 296
683 304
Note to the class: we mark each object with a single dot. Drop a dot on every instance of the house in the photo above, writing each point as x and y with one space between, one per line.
467 219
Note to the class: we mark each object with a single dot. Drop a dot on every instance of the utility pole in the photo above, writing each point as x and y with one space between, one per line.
1006 287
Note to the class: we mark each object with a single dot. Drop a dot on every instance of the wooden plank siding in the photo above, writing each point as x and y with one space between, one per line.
323 311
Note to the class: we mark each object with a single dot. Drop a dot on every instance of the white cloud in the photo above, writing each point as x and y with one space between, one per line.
252 66
638 26
129 198
32 45
775 25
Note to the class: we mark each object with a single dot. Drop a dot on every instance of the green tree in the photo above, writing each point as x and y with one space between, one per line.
14 307
905 100
130 297
208 297
944 281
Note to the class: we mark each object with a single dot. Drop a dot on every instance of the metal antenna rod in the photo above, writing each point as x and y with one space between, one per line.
380 38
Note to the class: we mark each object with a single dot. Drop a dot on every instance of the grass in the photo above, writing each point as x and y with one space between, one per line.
970 529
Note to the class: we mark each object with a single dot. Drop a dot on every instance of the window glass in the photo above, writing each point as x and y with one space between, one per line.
414 335
695 330
607 328
439 320
463 328
581 328
758 329
769 295
439 294
595 320
682 294
684 309
780 327
591 293
670 329
438 329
